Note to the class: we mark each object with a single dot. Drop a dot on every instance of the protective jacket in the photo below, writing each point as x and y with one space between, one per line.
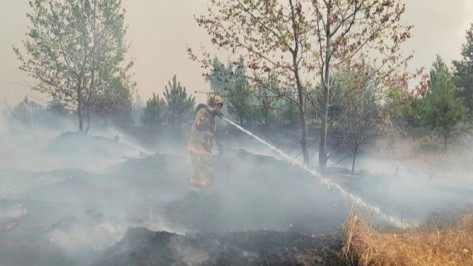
202 132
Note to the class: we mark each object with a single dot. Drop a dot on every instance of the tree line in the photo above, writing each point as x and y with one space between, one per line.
334 66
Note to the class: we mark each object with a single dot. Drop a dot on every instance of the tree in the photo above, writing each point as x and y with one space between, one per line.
442 110
289 114
362 111
272 36
239 94
25 114
267 106
293 40
55 107
153 115
75 51
179 105
463 75
137 109
219 77
409 115
232 82
346 32
115 104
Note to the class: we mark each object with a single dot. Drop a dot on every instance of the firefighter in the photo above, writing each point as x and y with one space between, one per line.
201 142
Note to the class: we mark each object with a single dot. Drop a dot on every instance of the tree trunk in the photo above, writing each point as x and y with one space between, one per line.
88 120
354 160
324 132
300 92
79 113
445 138
91 93
90 97
300 88
305 153
79 108
323 158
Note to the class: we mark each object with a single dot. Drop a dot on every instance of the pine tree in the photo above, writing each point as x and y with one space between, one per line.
442 110
239 94
463 75
153 116
179 105
231 81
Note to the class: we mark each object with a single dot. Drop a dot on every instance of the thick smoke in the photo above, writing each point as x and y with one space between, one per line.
73 195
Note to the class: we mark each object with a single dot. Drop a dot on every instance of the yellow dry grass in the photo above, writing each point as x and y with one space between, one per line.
447 246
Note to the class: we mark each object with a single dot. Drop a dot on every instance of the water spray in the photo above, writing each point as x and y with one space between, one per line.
331 185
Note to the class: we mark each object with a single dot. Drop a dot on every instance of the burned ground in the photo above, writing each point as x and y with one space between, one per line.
139 210
143 247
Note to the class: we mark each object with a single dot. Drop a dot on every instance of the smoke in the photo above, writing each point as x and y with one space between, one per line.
3 118
77 194
10 210
68 195
83 233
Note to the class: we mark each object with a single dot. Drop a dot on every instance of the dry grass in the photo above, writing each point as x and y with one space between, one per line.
448 246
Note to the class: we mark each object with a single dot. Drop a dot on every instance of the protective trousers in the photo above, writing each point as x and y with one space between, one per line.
203 172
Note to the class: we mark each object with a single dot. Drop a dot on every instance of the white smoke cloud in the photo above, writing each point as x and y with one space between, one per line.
11 210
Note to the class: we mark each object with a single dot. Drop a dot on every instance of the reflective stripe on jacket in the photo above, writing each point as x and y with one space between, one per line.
193 149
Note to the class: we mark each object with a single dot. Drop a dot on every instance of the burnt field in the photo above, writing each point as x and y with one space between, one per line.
138 209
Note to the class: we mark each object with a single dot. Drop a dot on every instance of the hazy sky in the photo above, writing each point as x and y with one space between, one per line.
159 32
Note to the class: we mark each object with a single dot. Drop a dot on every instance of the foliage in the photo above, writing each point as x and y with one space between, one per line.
347 32
463 75
358 117
75 51
56 107
137 109
271 35
179 106
115 104
25 113
289 114
290 40
442 110
250 105
239 95
153 116
219 77
232 82
267 107
29 115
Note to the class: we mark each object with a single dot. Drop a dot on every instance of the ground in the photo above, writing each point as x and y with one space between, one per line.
144 247
92 201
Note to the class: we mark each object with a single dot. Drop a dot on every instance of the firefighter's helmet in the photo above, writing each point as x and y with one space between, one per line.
214 99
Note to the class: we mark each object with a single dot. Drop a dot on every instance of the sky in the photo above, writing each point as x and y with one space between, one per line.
160 31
